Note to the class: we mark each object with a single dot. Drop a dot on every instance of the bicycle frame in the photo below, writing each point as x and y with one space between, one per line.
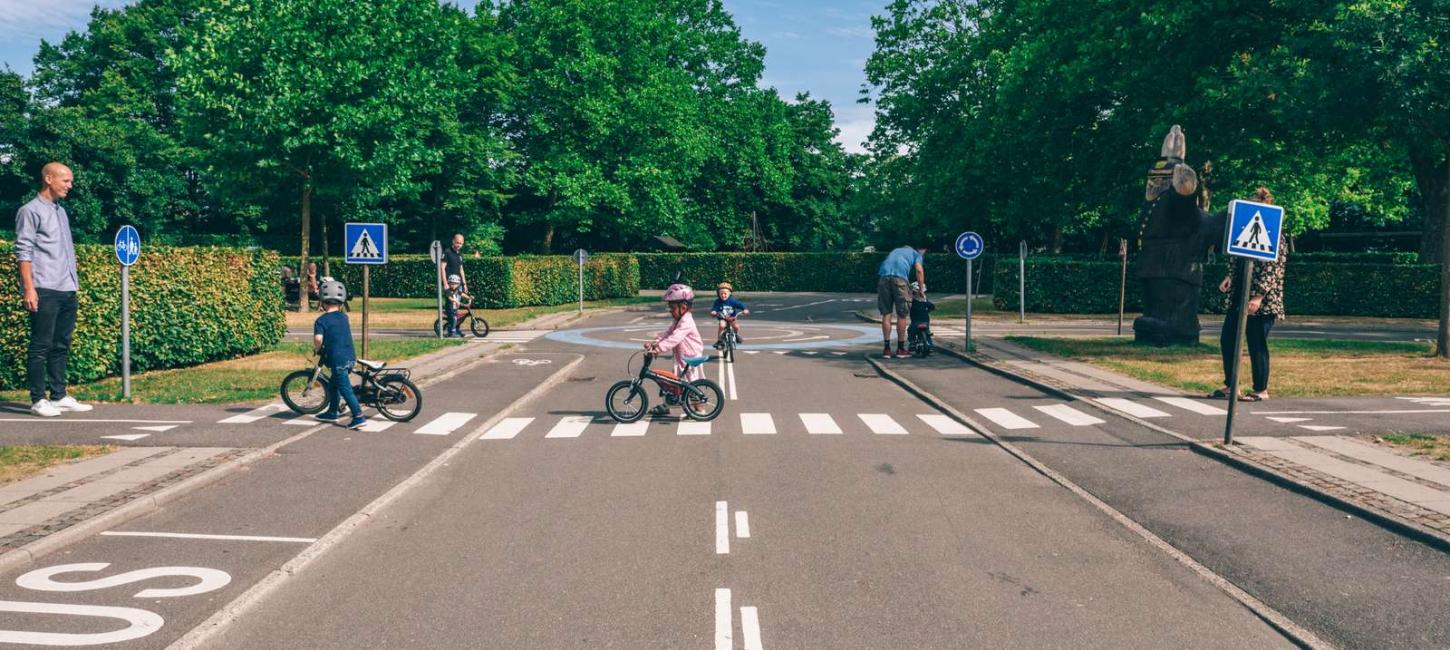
367 388
670 386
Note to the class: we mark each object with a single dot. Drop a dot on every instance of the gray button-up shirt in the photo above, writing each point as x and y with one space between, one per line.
42 237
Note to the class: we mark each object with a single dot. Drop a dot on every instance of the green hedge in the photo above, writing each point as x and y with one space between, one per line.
498 281
188 306
830 272
1341 288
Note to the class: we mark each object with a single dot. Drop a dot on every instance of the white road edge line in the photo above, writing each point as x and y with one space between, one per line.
742 524
214 624
722 528
724 625
730 370
750 628
1392 412
231 538
36 420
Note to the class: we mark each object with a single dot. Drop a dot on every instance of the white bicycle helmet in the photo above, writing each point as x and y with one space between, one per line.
453 279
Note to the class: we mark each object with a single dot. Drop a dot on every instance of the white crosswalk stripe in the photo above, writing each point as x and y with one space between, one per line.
377 426
757 423
506 429
693 428
1069 415
1196 406
945 425
445 424
882 424
1131 408
820 423
630 430
1006 419
255 414
570 427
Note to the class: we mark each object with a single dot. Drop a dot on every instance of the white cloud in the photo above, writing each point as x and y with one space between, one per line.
855 122
851 32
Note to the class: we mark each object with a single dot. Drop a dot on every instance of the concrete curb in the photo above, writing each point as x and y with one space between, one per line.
216 624
1388 521
142 505
1291 630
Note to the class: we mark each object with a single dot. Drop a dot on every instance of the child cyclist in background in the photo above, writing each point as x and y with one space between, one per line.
332 339
727 307
455 297
682 338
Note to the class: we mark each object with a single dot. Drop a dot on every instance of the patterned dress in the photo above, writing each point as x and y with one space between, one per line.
1268 282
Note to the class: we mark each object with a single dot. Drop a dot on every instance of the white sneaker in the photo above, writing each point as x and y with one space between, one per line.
69 403
44 409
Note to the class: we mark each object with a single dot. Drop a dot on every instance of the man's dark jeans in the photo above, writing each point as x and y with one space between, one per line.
51 327
1257 335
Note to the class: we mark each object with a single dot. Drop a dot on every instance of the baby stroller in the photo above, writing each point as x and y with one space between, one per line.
918 332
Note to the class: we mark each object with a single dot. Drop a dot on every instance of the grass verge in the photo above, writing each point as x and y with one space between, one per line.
1300 368
235 380
1420 444
23 461
419 313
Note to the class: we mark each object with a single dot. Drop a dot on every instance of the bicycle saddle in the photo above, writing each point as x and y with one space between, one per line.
695 361
372 365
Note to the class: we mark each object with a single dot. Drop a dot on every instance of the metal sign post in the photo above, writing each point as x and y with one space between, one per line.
1254 233
128 250
1022 282
1123 282
366 244
580 257
436 252
969 247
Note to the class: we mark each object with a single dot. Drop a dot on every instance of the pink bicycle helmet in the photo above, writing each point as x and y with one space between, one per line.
679 293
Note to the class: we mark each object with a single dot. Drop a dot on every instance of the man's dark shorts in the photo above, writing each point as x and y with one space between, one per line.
892 295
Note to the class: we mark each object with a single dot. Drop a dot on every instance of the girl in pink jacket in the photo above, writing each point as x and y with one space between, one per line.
682 338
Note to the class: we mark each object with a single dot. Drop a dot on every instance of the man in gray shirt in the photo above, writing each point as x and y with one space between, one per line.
48 281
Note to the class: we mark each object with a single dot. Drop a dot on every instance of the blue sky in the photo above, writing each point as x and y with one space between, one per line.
818 46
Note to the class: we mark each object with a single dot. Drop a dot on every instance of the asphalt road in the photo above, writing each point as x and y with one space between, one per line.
825 508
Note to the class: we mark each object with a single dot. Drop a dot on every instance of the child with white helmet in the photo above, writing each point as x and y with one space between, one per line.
682 338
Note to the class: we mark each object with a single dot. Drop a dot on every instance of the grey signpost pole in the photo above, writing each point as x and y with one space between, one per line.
1022 282
969 245
436 252
580 257
126 331
1241 303
968 347
1123 282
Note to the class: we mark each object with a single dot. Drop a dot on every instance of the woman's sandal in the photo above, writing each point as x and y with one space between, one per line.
1252 397
1218 393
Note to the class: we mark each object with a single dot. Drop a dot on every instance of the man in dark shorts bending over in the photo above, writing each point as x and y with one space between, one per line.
893 295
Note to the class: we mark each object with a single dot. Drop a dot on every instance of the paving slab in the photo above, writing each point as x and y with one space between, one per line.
1369 454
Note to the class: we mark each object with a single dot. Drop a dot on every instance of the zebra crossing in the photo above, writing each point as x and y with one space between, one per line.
745 424
441 425
1011 420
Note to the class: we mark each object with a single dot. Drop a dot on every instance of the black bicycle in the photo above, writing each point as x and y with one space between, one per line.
389 390
476 323
729 340
701 399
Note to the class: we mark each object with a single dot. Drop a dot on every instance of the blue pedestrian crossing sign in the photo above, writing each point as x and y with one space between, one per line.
970 245
365 243
1254 230
128 245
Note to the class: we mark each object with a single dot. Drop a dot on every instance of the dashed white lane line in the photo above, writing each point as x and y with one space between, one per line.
730 371
1006 419
724 623
225 538
945 425
757 423
506 429
255 414
742 524
1319 427
750 628
570 427
158 429
630 430
882 424
448 423
693 428
1131 408
1069 415
128 438
722 528
820 424
1290 420
1193 405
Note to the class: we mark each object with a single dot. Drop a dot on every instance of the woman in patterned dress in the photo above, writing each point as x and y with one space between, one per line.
1266 305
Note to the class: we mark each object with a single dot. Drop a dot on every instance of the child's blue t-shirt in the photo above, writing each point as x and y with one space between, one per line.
727 307
336 334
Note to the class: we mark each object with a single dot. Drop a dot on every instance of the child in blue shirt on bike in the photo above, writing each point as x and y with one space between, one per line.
332 339
726 309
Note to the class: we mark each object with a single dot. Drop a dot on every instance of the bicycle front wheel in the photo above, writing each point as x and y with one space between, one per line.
626 402
303 394
398 399
705 404
479 326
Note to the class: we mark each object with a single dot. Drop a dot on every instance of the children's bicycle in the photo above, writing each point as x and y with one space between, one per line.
729 340
701 399
476 323
389 390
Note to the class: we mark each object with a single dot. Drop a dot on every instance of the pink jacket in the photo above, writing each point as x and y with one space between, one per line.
683 338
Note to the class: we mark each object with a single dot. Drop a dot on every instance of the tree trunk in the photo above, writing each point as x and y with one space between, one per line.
326 259
549 240
1056 240
1442 338
306 230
